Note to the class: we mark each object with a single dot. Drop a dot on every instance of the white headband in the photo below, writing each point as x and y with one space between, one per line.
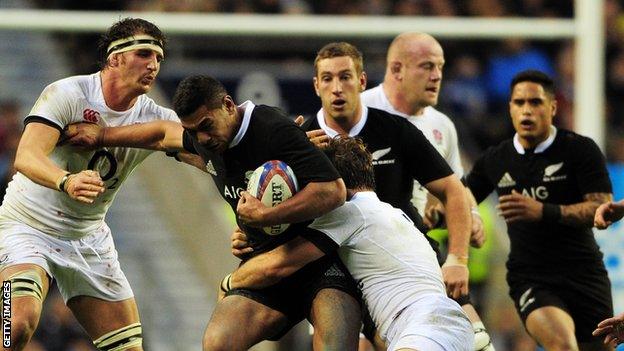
135 42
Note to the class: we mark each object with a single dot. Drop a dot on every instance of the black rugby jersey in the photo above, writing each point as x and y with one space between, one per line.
269 135
401 153
562 174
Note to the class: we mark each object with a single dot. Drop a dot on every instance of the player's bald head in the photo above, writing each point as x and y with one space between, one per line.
411 43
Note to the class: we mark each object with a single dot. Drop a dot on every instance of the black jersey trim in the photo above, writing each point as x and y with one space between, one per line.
320 240
39 119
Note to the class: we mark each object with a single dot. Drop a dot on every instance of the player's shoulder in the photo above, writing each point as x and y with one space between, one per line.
150 108
438 116
572 138
270 117
383 117
501 151
74 86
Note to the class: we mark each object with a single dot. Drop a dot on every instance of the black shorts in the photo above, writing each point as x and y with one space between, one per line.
293 295
585 294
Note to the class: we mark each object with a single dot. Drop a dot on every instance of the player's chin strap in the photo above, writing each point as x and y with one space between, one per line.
121 339
26 283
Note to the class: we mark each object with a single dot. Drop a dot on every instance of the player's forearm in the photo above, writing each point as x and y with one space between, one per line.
160 135
253 274
270 267
313 201
38 167
582 214
458 220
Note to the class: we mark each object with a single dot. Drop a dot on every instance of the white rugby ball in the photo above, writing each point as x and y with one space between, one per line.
273 183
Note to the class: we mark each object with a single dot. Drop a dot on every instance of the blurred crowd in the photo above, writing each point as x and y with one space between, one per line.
475 91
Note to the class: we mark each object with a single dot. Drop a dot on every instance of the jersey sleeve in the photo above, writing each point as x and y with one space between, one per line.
290 144
341 223
55 106
591 168
477 180
187 142
423 160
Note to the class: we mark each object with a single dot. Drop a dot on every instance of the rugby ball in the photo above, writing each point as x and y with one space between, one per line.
273 183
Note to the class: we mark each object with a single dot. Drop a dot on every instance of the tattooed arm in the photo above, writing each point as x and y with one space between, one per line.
582 214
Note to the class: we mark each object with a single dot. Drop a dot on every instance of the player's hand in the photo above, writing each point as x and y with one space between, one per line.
434 216
613 330
455 276
240 245
85 186
87 135
251 211
318 138
608 213
477 232
517 207
299 120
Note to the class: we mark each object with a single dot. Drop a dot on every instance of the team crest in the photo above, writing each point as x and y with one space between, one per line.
437 136
90 115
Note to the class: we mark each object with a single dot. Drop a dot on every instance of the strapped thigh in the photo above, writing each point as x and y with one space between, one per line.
121 339
26 283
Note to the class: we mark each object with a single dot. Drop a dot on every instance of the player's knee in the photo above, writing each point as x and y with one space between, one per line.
128 338
22 329
215 340
557 343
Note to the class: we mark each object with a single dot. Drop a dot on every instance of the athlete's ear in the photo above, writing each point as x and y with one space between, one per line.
395 69
554 107
363 79
316 88
113 61
228 103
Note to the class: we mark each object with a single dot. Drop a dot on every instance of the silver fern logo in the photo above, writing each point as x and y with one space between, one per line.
552 169
379 154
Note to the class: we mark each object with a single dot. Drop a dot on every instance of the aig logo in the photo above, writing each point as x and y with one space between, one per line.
539 192
232 192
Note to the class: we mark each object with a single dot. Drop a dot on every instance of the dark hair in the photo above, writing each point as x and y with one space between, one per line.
534 76
340 49
196 91
353 162
126 28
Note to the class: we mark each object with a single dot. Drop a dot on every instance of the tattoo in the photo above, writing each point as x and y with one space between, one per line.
582 214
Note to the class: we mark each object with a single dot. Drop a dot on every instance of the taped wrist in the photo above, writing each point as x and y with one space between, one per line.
551 212
454 260
226 283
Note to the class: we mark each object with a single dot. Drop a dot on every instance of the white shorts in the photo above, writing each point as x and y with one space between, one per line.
86 266
433 323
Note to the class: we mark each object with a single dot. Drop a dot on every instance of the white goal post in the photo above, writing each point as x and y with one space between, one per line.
586 29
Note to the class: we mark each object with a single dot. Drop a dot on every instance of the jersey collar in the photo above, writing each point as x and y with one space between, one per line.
365 195
353 132
248 106
541 147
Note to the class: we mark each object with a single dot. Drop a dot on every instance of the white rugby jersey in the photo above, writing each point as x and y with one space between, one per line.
393 271
71 100
436 126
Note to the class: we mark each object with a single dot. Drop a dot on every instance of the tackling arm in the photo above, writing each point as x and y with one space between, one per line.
270 267
158 135
31 159
314 200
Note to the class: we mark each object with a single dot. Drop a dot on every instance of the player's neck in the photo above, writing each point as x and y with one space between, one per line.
117 96
400 103
343 124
